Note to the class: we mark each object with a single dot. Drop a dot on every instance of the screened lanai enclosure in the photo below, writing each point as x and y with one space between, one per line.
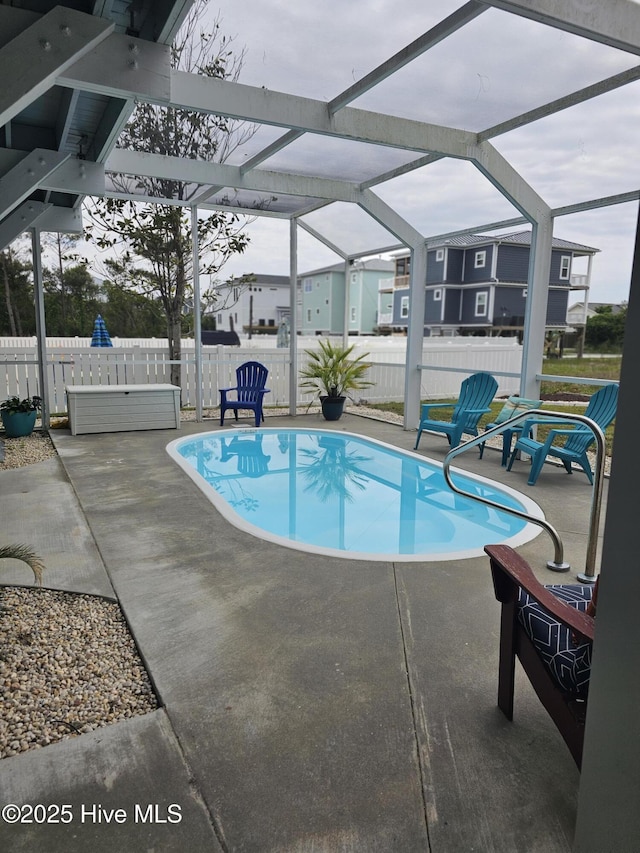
376 127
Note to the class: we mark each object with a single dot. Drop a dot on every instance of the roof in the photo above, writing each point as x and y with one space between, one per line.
327 160
518 238
373 264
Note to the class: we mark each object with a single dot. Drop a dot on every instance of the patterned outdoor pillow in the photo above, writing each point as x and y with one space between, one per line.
569 662
513 406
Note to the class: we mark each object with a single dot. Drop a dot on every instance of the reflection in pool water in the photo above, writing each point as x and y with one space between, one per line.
339 493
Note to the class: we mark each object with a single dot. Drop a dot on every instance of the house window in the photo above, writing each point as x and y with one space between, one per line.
481 304
440 255
404 307
480 259
437 294
403 266
565 266
354 277
353 314
308 315
308 285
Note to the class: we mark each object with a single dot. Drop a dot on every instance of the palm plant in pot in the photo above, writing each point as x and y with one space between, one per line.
332 372
19 416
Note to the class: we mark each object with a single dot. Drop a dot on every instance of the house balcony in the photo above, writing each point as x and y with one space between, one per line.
580 280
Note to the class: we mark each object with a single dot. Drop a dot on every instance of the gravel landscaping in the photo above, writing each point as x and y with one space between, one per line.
68 663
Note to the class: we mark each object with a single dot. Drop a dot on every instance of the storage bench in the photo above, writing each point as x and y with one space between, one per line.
120 408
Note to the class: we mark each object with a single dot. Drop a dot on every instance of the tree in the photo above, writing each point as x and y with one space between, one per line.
158 261
73 314
605 330
62 246
17 307
129 314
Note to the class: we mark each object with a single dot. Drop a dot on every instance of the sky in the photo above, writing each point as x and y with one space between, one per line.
497 66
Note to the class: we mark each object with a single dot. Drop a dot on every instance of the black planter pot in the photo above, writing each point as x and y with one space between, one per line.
332 407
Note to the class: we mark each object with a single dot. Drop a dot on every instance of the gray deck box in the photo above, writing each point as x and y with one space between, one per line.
120 408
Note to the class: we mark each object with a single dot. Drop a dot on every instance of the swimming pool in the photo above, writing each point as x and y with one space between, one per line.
341 494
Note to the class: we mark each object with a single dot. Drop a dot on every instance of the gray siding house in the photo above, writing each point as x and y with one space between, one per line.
477 284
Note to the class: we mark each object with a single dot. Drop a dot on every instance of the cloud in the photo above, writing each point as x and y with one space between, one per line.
497 66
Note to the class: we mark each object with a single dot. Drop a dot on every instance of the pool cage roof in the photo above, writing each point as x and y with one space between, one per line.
371 148
391 114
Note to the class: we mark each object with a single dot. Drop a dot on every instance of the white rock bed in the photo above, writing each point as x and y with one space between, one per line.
68 665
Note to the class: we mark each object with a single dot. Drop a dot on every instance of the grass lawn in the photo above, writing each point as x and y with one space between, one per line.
593 368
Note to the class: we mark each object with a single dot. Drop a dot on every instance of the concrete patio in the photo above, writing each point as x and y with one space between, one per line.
309 703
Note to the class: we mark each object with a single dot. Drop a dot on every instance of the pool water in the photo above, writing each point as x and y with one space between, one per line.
341 494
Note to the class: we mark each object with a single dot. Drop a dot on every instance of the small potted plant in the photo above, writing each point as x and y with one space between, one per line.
332 373
19 416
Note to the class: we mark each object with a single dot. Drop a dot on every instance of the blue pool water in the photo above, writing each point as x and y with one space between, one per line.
341 494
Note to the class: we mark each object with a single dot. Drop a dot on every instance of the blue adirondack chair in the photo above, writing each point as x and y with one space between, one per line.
601 410
476 392
251 458
514 406
250 389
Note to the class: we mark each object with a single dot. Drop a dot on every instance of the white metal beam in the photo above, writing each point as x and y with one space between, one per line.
536 306
510 183
578 97
434 36
415 335
251 103
19 182
200 172
615 23
113 122
75 176
404 169
65 220
324 240
124 67
21 220
390 219
31 62
293 318
594 204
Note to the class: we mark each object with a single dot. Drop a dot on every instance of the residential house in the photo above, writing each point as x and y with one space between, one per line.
321 297
576 313
255 304
477 284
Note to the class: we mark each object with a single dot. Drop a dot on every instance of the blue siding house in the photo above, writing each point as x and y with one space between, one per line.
477 285
321 297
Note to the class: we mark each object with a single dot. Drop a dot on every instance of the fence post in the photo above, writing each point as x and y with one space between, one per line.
139 370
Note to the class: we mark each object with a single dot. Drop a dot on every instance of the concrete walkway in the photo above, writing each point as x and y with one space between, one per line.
309 703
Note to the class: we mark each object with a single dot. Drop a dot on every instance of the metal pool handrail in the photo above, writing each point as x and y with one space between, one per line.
557 564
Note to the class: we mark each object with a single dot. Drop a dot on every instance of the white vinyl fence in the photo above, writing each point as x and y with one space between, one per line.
74 362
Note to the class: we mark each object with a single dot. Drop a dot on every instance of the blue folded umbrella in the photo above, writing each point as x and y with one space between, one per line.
100 337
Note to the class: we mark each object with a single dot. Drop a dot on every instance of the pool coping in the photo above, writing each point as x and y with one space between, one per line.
530 530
